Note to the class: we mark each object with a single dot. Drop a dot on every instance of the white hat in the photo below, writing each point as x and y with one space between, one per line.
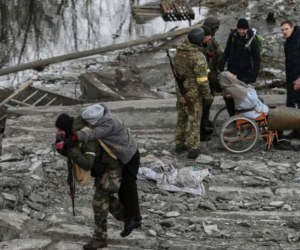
93 113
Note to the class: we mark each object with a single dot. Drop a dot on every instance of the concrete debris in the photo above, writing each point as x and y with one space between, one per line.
251 201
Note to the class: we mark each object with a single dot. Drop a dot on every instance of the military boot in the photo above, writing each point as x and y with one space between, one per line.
180 148
193 154
95 244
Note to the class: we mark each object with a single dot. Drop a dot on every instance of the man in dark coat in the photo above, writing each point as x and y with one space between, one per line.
292 67
242 53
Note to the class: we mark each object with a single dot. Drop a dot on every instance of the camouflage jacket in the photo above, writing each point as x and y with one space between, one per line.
214 48
190 62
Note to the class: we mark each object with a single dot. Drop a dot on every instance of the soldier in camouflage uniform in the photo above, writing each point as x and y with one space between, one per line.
91 156
190 62
213 53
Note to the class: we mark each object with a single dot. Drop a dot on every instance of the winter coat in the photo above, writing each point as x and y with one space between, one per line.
114 134
90 155
213 54
241 60
292 64
190 62
214 48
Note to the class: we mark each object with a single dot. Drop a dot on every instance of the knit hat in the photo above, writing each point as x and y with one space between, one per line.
64 122
207 30
243 24
93 113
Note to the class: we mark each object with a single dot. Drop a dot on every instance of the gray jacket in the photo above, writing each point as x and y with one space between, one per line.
114 134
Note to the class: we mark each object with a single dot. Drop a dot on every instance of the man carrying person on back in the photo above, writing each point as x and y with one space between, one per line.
112 131
105 167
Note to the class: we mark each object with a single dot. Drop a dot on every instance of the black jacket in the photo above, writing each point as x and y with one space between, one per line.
241 60
292 64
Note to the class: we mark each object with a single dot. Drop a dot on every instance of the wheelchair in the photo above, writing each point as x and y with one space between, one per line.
239 134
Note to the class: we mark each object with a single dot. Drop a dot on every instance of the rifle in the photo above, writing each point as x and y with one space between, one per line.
179 80
71 183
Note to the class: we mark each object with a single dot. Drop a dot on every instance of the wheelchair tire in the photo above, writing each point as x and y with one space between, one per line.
238 134
221 116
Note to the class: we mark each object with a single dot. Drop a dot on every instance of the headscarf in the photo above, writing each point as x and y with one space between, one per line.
234 87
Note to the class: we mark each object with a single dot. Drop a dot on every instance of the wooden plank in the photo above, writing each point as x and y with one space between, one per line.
49 103
8 106
179 13
21 103
3 117
29 97
39 100
148 7
190 10
26 85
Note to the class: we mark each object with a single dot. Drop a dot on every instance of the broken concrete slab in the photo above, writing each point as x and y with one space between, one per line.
93 88
10 157
20 244
14 219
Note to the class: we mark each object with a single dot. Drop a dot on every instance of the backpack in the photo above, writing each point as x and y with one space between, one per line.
259 39
82 176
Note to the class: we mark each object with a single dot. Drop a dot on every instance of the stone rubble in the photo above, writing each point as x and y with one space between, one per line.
251 203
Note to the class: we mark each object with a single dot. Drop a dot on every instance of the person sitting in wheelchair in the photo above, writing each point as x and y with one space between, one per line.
244 99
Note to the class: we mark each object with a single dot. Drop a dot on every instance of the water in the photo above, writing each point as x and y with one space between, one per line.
40 29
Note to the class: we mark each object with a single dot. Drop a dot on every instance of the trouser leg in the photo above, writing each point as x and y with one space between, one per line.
205 117
100 207
229 106
181 124
106 186
193 131
116 208
128 193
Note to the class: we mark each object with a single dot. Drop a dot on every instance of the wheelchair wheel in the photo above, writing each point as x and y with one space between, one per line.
221 116
238 134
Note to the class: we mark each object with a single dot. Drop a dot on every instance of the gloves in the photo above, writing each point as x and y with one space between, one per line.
74 138
82 135
207 102
209 55
70 143
60 145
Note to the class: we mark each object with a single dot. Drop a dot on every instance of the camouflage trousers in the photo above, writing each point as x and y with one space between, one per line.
104 200
188 124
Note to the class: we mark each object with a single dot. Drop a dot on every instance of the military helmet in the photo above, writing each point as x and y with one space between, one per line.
196 36
212 22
